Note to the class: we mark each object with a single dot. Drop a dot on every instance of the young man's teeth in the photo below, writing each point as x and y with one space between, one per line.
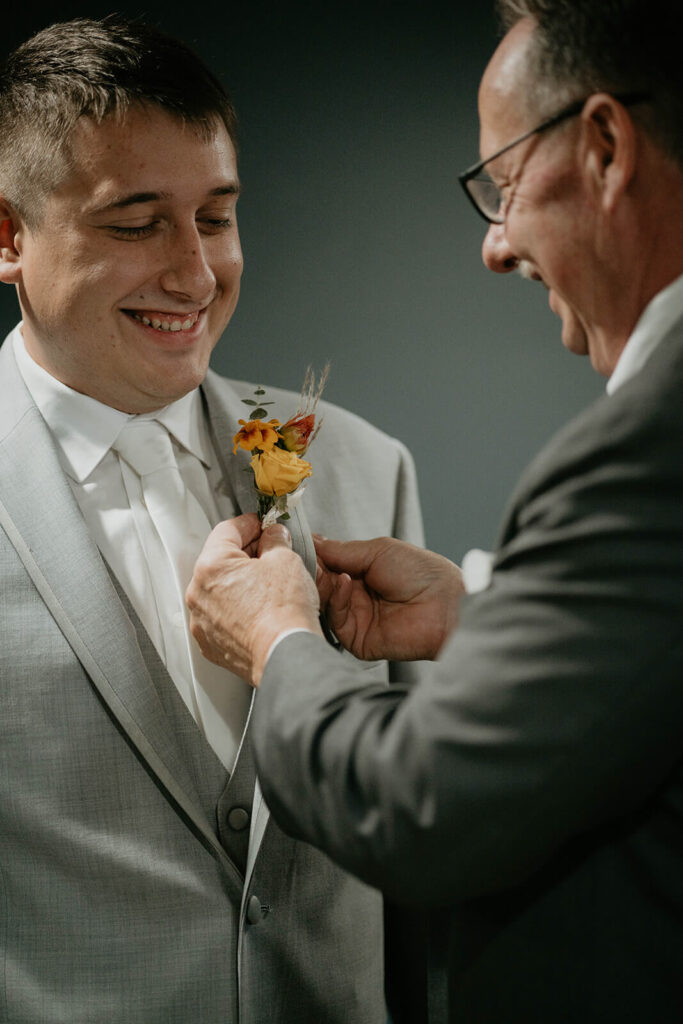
166 325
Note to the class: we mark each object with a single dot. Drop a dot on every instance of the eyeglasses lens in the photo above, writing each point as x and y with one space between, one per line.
486 196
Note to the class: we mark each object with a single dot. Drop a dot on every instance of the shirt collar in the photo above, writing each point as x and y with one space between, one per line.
85 429
658 317
185 420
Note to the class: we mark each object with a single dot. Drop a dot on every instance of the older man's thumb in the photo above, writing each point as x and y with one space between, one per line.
276 536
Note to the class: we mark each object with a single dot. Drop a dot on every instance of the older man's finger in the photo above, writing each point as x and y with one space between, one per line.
273 538
240 532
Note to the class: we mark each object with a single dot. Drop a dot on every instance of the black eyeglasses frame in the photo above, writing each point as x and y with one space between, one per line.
562 115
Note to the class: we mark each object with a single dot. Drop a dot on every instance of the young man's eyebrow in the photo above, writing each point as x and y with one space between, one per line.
134 198
121 202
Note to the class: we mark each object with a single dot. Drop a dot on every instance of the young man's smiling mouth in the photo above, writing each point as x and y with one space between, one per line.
164 321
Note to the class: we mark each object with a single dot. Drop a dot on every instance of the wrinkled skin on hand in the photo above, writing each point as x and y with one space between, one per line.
248 586
384 598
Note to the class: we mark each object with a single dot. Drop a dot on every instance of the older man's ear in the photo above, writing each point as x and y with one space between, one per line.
609 145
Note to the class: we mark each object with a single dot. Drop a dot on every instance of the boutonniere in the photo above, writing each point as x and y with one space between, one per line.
277 461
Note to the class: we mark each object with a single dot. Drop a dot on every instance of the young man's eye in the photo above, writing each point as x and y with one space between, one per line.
208 224
216 223
132 232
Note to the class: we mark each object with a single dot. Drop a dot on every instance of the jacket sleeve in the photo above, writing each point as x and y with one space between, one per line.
554 712
407 526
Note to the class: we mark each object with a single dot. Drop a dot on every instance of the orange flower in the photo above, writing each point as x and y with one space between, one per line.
296 433
278 471
256 434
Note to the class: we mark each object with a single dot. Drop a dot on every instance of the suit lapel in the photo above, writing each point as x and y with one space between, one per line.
70 575
225 408
574 441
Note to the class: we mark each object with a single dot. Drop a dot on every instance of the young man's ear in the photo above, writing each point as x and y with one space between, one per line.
10 257
610 147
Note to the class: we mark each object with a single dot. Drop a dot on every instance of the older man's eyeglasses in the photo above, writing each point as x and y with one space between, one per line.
483 192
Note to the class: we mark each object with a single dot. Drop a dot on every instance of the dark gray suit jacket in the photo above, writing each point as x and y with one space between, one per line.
530 788
126 894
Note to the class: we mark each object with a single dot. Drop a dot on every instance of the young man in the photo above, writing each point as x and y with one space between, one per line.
531 786
142 878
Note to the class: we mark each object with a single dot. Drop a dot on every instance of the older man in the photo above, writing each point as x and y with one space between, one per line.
531 785
142 880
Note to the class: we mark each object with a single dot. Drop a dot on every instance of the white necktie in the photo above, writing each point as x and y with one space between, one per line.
218 700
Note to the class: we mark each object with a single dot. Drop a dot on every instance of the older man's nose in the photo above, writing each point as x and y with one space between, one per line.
496 252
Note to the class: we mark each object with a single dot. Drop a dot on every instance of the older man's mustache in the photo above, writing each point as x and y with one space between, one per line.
527 270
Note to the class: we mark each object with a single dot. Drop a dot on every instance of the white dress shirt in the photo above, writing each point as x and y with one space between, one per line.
658 317
109 494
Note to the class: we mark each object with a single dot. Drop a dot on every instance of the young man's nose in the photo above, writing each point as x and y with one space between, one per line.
188 272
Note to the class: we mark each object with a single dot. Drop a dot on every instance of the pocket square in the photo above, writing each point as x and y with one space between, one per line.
477 569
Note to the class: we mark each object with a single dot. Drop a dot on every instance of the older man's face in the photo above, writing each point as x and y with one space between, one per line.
134 270
547 228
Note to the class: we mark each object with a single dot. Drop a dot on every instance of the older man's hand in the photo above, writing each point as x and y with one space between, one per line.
387 599
247 588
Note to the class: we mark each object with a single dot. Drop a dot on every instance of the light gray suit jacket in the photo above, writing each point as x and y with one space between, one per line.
126 897
531 784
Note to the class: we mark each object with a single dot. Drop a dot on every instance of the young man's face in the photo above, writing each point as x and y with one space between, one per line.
134 270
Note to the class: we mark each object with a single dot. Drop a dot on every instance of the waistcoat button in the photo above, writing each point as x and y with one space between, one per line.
238 819
254 910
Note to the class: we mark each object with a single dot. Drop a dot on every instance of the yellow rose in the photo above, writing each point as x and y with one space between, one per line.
279 472
256 434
